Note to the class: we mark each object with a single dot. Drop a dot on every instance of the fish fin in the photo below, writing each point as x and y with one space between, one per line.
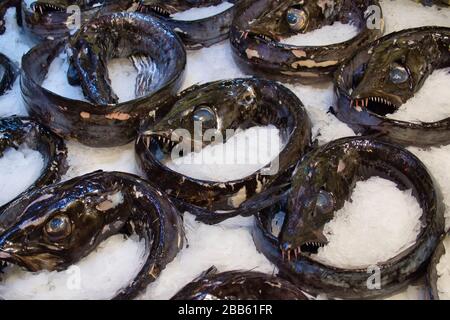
146 69
208 272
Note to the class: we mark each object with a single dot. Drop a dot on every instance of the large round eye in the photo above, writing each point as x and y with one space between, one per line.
297 19
204 114
398 74
58 228
324 202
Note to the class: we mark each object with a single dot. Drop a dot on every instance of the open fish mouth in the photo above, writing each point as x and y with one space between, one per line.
45 8
309 247
154 9
48 19
164 141
42 7
383 76
376 104
264 37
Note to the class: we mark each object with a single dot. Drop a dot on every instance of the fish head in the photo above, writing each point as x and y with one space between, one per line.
54 231
317 192
395 71
203 114
285 18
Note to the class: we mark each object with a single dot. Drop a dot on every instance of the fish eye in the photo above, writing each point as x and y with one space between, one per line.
325 202
398 74
204 114
58 228
296 18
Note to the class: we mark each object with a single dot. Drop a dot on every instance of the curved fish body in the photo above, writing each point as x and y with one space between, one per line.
260 25
123 35
4 6
387 73
53 19
432 274
195 34
159 56
17 131
239 285
321 184
219 107
54 227
8 73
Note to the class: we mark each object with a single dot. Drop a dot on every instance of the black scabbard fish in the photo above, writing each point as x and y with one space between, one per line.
54 227
432 274
195 34
321 184
222 106
17 131
157 53
53 19
239 285
260 25
387 73
8 73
